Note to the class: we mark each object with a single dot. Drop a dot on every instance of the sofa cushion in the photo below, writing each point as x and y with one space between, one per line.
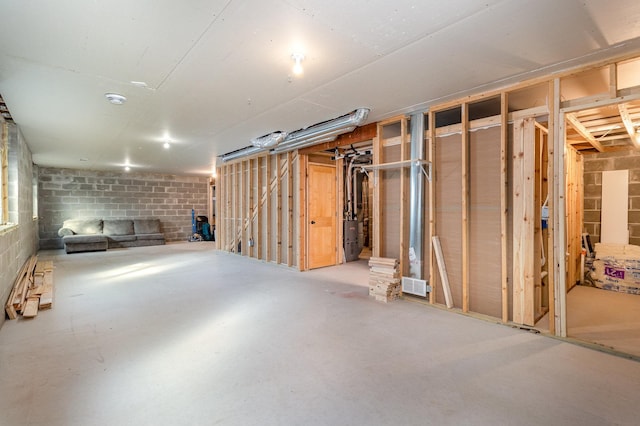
84 226
150 237
80 243
84 239
146 226
117 227
121 238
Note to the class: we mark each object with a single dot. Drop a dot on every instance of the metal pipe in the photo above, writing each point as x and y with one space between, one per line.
416 211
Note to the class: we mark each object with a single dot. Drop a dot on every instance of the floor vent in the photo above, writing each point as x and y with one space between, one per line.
415 286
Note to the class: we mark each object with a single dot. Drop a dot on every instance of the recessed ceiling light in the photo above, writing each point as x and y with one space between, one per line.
297 67
115 98
166 145
127 168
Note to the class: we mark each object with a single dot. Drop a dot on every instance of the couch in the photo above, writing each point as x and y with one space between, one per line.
80 235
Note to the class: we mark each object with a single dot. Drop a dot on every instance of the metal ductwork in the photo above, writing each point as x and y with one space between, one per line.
242 152
416 188
270 140
323 132
279 141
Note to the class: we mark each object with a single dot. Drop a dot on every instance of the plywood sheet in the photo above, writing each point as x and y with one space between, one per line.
485 294
391 198
448 211
615 207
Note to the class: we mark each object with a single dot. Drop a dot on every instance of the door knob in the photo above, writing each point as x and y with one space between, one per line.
313 222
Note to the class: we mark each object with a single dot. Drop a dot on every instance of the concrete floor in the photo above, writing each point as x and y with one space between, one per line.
604 317
183 335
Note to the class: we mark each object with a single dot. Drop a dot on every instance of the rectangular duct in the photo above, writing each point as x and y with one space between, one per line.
416 209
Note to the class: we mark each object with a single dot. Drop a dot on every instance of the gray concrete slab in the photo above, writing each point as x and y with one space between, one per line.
182 334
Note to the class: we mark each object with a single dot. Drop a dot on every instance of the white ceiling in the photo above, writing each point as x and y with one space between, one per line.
219 71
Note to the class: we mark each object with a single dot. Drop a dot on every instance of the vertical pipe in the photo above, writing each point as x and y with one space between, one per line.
416 202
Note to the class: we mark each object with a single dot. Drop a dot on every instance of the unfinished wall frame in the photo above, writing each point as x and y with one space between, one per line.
256 195
470 203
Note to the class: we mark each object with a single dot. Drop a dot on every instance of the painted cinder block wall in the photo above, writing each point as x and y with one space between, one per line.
17 243
594 165
70 193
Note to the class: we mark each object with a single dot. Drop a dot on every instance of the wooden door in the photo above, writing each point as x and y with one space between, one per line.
321 217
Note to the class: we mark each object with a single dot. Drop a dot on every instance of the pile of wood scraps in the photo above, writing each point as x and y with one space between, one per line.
384 279
32 289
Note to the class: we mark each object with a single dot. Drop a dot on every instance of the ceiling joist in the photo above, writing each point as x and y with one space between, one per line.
584 132
628 124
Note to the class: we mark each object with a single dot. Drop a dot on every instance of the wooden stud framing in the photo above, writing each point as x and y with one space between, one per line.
229 204
504 131
340 255
432 204
523 218
238 205
404 184
551 137
4 170
252 208
377 193
259 204
269 251
302 208
290 209
279 210
559 244
537 221
246 208
465 206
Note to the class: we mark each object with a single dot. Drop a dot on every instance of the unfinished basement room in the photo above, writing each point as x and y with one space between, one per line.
296 212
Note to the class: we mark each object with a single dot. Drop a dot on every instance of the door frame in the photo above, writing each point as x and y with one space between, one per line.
337 208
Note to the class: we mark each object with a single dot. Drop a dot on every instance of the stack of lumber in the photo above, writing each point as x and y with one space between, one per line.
384 279
32 289
620 251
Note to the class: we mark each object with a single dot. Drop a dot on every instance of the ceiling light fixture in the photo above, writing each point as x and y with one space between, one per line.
297 67
115 98
127 168
166 145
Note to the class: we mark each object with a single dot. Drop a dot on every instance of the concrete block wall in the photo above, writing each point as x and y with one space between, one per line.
594 165
17 242
70 193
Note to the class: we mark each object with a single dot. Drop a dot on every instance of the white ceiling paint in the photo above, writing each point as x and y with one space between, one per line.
219 72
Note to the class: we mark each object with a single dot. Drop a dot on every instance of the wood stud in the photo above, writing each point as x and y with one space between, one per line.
465 206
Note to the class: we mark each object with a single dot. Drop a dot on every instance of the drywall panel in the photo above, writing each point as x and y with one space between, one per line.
615 210
485 294
448 211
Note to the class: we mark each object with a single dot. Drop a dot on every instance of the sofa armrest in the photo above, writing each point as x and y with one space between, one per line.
63 232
